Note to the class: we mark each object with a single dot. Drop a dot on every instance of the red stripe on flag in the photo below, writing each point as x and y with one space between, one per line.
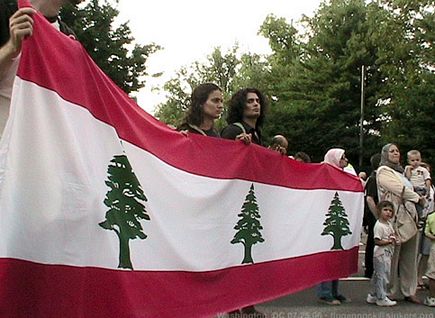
56 62
43 291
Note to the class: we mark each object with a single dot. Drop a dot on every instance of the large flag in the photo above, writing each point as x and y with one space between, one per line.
106 212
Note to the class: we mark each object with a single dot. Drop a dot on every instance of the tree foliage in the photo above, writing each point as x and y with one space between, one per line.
228 70
111 47
313 78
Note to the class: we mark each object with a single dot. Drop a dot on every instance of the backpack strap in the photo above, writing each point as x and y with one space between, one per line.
197 129
238 124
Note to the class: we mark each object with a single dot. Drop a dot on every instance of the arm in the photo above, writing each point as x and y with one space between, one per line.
372 206
389 181
427 230
20 26
408 170
235 133
384 242
372 194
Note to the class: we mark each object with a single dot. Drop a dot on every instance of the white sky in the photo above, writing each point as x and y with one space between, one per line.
188 30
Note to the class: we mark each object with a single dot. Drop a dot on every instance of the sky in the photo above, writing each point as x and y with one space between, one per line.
188 31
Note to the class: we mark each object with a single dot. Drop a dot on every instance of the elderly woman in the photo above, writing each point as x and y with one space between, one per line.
327 292
394 187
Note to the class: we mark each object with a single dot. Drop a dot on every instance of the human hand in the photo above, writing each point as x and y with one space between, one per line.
20 27
422 201
246 138
282 150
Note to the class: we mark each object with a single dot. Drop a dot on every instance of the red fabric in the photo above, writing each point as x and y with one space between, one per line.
56 62
45 291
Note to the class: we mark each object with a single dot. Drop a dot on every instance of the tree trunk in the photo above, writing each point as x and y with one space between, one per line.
248 255
337 243
124 253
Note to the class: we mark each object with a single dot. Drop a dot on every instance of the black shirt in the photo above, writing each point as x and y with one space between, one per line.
196 130
233 130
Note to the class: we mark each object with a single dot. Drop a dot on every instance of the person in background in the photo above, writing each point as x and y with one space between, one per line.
430 233
327 292
393 186
385 240
302 156
425 242
370 214
15 25
246 114
280 144
206 106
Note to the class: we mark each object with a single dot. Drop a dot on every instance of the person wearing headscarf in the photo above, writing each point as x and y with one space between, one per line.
327 292
394 187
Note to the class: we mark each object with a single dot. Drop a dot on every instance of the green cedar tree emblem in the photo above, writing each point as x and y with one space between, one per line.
248 227
336 223
124 200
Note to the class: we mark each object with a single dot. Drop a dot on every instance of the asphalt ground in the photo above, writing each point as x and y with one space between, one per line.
304 304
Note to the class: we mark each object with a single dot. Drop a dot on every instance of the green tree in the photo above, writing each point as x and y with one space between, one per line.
317 79
110 47
124 200
248 227
226 69
336 223
406 50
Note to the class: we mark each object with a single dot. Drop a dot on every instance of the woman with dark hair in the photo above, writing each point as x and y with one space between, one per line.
394 187
246 114
245 118
206 105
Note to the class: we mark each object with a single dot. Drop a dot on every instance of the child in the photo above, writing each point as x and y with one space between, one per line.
385 239
418 175
430 233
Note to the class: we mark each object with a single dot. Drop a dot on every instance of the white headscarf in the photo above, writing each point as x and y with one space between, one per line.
333 157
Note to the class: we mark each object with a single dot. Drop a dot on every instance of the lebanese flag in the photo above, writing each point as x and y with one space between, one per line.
107 212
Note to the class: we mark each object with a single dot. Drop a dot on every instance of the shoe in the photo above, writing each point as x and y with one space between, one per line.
329 301
429 301
371 299
342 299
413 299
386 302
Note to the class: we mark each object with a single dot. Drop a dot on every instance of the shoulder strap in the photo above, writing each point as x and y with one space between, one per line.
196 128
240 126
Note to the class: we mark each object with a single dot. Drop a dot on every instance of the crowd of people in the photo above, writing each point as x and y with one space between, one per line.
398 216
399 201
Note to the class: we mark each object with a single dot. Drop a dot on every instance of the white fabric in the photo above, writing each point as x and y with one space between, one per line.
65 150
6 84
383 231
419 176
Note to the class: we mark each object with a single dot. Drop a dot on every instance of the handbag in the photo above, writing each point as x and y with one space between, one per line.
406 224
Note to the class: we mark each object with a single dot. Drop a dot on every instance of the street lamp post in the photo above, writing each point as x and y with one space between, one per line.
361 130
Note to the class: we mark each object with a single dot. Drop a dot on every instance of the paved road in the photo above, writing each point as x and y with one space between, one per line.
304 305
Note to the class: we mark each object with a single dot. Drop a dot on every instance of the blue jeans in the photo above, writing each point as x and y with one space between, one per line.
327 290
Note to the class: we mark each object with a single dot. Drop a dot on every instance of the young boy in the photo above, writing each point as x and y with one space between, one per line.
429 231
418 175
385 239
